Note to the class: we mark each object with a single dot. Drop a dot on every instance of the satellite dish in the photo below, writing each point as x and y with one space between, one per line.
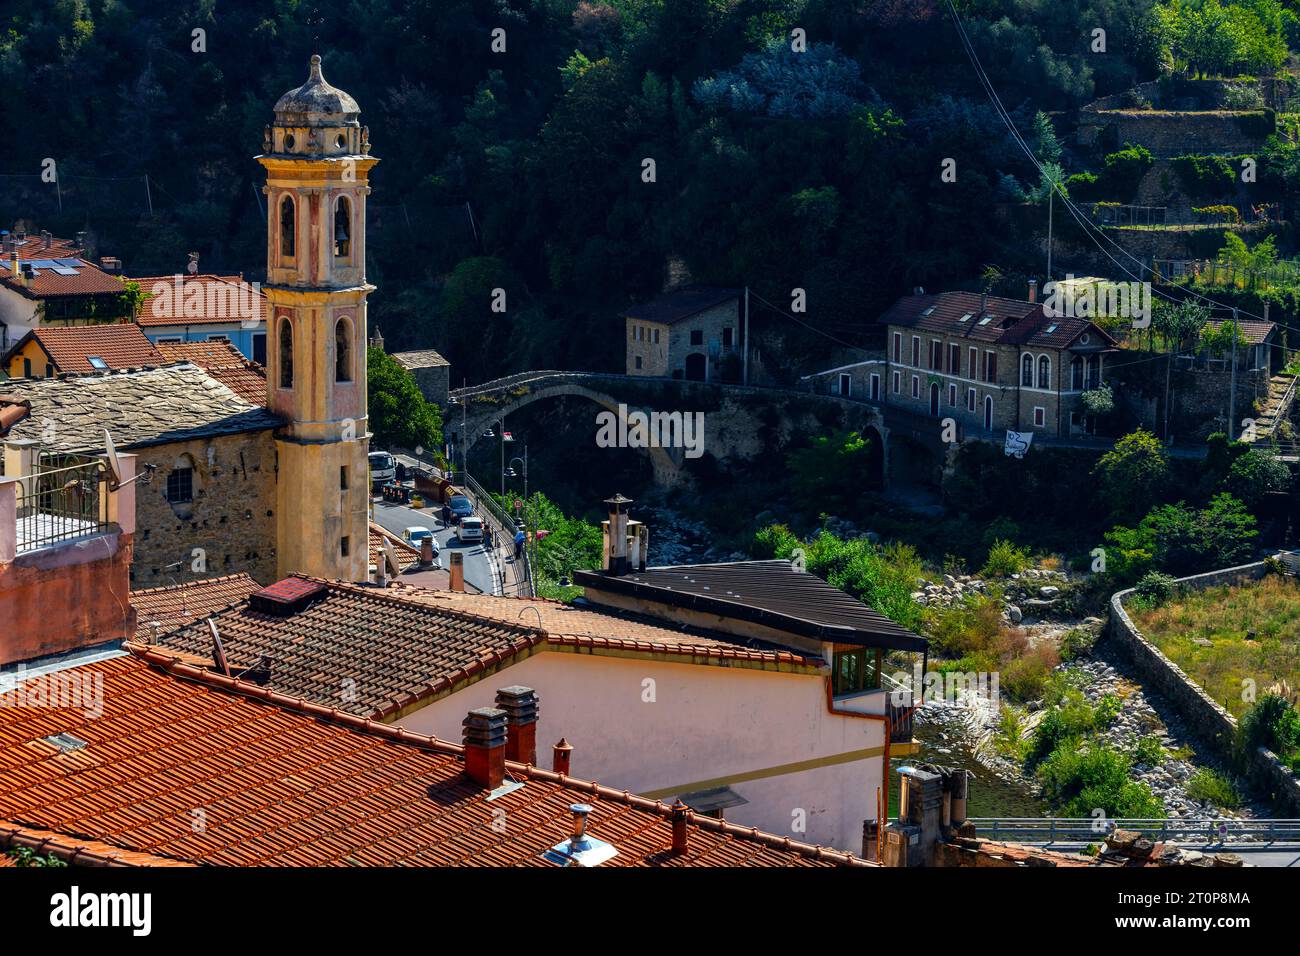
391 557
110 452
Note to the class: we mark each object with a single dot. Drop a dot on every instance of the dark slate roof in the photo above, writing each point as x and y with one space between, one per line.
770 593
672 307
141 408
424 358
1010 321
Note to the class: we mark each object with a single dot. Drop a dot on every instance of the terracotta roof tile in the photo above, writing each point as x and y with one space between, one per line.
159 610
120 346
397 647
223 362
33 247
225 299
45 283
566 624
1253 331
391 651
282 782
72 850
1011 321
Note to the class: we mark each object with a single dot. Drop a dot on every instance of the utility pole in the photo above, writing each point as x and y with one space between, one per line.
1232 393
1050 197
744 337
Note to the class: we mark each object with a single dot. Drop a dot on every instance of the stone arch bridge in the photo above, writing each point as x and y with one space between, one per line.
904 437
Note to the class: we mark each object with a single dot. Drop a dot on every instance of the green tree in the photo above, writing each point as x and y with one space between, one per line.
827 475
1132 475
1179 323
1256 474
399 415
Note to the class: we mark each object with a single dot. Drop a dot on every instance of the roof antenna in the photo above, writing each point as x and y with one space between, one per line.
218 652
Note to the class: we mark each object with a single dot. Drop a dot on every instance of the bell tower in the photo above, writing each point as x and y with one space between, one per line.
317 159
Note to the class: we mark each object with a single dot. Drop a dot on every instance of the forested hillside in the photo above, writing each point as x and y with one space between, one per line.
523 169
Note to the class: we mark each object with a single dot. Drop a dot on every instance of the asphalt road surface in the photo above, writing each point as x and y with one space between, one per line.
479 569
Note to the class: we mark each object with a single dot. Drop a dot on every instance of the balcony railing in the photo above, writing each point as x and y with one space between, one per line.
63 500
899 708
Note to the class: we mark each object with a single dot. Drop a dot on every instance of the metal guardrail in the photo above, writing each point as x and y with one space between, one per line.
1084 829
497 514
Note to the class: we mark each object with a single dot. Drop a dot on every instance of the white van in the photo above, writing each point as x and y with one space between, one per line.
471 529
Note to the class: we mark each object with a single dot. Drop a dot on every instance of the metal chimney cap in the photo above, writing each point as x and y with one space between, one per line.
617 500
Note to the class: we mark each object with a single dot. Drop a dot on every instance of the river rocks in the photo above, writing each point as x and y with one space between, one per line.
1048 591
1014 614
1138 719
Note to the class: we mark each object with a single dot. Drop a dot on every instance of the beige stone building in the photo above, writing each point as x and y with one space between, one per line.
691 333
992 364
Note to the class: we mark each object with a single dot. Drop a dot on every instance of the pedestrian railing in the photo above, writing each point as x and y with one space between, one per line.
1088 829
504 529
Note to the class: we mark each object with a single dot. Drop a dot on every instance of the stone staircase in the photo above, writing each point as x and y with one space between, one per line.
1281 395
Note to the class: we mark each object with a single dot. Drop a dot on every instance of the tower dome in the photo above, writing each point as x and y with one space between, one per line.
316 119
316 103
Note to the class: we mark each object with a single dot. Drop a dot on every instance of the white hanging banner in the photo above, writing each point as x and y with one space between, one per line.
1018 443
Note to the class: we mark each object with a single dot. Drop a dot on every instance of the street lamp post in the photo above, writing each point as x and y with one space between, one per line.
527 505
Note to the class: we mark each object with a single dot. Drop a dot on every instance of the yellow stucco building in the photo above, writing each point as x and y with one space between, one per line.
317 159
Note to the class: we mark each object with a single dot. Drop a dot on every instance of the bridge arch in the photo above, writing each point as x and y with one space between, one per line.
488 403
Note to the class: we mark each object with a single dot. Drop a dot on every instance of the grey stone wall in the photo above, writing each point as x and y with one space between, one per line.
1206 716
434 382
231 518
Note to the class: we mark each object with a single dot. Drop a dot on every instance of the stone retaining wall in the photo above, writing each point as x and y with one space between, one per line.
1204 715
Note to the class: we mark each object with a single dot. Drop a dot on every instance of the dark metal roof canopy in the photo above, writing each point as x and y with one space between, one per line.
769 593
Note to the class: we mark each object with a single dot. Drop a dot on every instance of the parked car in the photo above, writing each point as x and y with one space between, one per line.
471 529
415 535
460 508
383 468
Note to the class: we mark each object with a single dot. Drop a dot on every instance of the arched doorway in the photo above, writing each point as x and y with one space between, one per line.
934 399
696 364
988 413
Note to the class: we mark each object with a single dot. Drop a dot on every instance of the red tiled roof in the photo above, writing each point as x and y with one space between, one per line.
48 284
566 624
223 362
404 646
71 850
159 610
407 556
1012 322
281 782
395 652
222 300
120 345
1254 331
33 247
